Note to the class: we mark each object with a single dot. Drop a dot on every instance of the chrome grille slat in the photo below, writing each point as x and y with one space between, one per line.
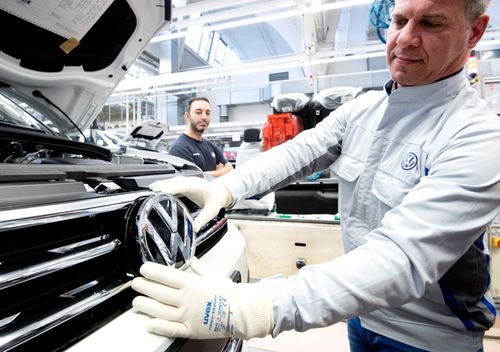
74 246
213 228
65 268
34 271
41 215
11 339
8 320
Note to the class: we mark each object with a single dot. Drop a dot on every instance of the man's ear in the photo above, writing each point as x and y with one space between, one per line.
186 116
478 27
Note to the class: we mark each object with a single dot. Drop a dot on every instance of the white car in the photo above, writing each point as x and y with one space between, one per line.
77 220
103 138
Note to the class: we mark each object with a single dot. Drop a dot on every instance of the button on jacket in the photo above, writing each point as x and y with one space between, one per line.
419 182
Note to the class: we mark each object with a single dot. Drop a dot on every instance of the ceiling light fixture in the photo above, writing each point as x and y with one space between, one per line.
202 77
195 20
487 55
267 18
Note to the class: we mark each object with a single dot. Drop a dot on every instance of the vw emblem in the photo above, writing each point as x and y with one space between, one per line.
165 231
409 161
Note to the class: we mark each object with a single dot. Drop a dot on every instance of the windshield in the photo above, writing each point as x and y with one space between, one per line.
24 111
13 114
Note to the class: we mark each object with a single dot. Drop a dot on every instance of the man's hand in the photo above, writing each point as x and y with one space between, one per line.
202 304
220 169
210 196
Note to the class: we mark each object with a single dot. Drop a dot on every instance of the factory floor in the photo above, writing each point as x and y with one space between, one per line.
334 338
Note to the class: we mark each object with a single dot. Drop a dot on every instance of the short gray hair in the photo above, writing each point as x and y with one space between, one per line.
474 8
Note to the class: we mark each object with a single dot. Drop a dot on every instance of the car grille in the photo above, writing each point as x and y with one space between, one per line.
65 268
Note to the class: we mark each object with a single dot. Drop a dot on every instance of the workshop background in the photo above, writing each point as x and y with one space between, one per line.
242 54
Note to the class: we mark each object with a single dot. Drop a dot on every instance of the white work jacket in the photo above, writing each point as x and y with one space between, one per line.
419 182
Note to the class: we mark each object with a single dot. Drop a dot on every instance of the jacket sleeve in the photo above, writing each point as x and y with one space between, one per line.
417 242
310 151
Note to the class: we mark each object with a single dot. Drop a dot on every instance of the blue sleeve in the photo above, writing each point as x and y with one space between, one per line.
219 155
181 151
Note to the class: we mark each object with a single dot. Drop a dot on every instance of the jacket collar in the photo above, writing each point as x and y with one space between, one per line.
443 88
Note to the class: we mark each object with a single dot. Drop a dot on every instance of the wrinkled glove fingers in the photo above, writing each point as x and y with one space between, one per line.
205 215
157 291
156 309
191 187
167 328
172 189
166 275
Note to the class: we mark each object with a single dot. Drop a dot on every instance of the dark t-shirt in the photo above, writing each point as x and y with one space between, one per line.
205 154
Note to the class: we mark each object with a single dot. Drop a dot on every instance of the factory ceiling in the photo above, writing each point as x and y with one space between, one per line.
216 44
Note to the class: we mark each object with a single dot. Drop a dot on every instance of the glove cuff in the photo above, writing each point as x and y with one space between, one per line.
256 308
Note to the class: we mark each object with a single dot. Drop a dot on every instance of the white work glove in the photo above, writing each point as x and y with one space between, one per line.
202 305
211 196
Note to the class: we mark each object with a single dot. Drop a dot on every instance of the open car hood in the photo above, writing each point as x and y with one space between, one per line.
74 53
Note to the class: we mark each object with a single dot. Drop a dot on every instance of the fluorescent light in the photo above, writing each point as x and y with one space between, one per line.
234 13
488 44
267 18
201 78
487 55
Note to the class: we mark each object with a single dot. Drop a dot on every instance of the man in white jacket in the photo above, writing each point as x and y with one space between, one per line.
419 182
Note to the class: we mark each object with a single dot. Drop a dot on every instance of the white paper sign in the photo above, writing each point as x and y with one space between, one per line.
67 18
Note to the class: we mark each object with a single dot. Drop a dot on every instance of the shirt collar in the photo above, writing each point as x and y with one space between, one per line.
441 89
391 86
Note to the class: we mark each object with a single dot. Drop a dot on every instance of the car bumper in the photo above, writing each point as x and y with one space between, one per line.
128 331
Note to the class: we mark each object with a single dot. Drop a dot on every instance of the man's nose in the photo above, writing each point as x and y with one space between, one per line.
409 35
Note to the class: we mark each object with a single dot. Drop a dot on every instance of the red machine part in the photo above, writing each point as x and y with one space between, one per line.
279 128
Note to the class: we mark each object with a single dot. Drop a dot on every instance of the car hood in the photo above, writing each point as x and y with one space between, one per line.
70 55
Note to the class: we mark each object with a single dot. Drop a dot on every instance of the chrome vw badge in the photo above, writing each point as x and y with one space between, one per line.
165 231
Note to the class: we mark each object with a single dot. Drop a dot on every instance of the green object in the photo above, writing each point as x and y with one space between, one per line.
284 216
